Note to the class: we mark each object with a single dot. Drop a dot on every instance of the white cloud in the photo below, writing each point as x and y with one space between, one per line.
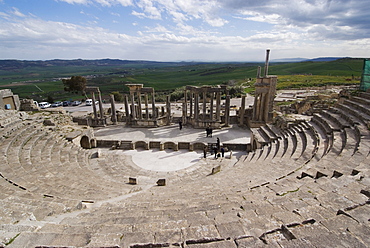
149 8
193 29
16 12
75 1
115 14
101 2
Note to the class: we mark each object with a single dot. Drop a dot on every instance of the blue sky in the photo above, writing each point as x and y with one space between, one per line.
183 30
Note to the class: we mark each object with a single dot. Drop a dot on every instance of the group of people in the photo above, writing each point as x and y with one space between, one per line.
217 150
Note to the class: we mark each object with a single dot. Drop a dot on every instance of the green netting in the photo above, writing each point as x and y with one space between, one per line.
365 78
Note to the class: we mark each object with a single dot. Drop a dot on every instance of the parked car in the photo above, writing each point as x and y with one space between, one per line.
66 103
56 104
76 103
44 105
89 102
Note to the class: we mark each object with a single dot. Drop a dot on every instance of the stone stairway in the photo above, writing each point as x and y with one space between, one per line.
306 186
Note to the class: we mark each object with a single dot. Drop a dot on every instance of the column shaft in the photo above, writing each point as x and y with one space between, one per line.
218 106
146 106
204 106
211 107
113 109
94 106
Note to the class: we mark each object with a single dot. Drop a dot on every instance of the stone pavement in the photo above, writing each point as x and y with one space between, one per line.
232 134
156 160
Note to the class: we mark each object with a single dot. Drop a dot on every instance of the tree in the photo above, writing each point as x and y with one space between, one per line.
75 84
236 91
50 99
118 97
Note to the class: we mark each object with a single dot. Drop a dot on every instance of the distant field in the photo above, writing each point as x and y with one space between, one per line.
42 82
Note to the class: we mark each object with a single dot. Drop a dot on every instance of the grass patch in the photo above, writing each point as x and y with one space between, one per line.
12 239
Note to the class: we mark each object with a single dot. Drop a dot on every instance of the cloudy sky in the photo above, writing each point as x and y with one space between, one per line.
177 30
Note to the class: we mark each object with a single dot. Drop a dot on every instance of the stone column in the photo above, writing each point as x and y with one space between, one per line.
146 106
127 109
261 107
191 104
133 114
139 110
185 108
113 109
196 106
154 112
204 105
266 108
218 106
94 106
211 108
227 111
256 107
101 107
168 109
242 110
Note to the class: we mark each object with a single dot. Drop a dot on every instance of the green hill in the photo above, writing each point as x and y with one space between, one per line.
40 79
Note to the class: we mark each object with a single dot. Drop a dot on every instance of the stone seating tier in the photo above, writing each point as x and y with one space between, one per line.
306 188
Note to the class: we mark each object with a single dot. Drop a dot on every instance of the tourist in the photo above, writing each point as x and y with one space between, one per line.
222 151
180 125
215 150
218 143
205 152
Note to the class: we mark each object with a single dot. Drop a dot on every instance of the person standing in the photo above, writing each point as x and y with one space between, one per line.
222 151
205 152
218 143
215 150
180 125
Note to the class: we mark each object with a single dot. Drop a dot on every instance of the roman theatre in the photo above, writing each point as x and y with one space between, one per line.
143 174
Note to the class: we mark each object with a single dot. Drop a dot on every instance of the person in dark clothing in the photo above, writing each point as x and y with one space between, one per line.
215 150
180 125
207 131
222 152
218 143
205 152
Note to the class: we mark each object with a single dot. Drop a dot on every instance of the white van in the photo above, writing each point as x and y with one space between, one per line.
44 105
88 102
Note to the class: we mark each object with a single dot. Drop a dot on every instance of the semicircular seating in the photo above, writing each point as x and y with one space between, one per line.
306 186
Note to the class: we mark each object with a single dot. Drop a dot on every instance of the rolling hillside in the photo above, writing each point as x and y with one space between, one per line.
40 79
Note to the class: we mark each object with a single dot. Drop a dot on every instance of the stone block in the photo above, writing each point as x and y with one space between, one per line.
161 182
132 180
216 169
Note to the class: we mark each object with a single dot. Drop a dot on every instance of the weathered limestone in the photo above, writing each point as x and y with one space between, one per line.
132 180
8 100
134 111
28 105
216 169
161 182
98 120
53 193
264 97
205 117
